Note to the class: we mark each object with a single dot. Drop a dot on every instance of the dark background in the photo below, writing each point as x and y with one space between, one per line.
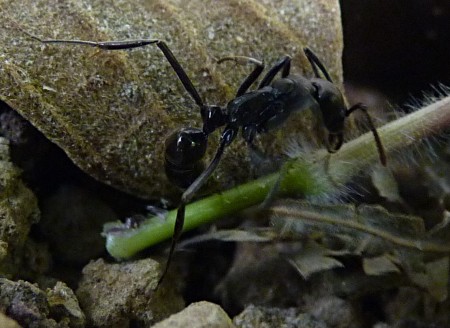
400 47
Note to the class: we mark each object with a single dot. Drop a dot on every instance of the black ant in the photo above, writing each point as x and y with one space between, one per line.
253 112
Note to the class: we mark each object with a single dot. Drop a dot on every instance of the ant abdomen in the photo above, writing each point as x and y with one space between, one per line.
184 151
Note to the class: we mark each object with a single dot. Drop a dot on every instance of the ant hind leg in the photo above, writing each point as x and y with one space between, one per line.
228 136
283 64
131 44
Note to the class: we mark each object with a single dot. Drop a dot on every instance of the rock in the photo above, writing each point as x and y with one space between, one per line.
6 322
18 212
64 304
111 110
30 306
198 315
116 295
264 317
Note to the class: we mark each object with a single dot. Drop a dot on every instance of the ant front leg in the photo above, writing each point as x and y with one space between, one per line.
227 137
363 108
283 64
251 78
335 140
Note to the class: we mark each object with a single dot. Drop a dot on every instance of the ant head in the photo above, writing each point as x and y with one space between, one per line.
186 146
327 93
332 105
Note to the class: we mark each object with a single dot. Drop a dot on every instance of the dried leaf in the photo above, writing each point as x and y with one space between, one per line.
234 235
314 258
371 226
379 265
369 230
434 278
437 273
441 231
387 186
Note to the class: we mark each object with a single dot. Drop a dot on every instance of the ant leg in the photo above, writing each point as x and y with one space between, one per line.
378 142
251 78
187 83
130 44
257 156
228 136
249 133
275 188
315 62
283 64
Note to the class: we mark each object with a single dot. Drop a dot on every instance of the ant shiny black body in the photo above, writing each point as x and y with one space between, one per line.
252 112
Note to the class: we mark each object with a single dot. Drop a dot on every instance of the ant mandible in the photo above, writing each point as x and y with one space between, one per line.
253 112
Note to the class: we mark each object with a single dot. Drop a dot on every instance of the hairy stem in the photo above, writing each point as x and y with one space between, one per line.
307 175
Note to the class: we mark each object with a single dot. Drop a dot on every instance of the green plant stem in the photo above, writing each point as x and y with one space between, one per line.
306 175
